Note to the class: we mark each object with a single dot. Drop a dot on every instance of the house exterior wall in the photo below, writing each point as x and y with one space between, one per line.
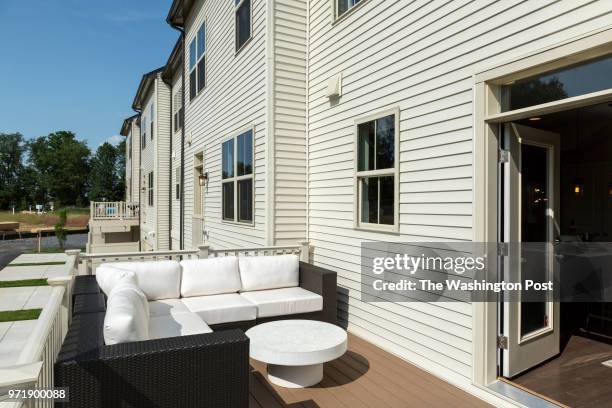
156 158
288 112
234 98
175 164
132 162
418 57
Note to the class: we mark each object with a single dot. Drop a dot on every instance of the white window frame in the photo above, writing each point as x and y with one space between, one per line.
235 179
197 61
243 46
392 171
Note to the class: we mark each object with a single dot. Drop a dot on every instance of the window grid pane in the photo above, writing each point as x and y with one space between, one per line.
243 23
385 142
201 41
366 146
227 159
192 54
228 201
245 200
201 74
245 154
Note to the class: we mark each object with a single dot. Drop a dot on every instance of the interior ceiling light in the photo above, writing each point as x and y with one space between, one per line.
535 118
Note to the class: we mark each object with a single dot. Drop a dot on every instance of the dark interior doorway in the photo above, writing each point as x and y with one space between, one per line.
581 375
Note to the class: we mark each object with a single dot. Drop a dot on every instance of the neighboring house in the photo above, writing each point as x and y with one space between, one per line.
241 88
152 101
283 104
131 131
173 76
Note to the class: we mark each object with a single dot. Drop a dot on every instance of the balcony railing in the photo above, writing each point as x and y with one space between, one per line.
114 210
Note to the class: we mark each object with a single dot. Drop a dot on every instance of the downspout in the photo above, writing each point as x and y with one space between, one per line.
182 201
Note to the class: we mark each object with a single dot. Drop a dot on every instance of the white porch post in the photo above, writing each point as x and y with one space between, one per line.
203 251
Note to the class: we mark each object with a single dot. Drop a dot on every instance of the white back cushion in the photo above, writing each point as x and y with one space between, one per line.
212 276
157 279
268 272
108 276
127 315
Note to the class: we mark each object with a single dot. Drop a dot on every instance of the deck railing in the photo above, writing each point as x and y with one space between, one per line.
34 366
114 210
88 262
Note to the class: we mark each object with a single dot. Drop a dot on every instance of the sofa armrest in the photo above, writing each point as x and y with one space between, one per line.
322 282
209 370
89 303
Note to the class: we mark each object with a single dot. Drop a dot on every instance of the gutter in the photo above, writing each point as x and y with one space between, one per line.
171 166
182 201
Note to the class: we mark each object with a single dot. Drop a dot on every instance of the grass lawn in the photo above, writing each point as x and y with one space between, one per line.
77 218
16 315
23 282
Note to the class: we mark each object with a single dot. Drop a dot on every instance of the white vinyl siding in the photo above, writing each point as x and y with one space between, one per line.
235 97
156 158
176 159
420 56
289 114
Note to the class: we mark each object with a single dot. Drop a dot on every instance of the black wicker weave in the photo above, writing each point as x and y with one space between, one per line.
204 370
84 285
89 303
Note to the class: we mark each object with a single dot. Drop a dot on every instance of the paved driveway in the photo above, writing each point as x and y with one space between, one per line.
12 248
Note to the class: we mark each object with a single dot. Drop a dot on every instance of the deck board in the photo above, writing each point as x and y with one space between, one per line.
366 376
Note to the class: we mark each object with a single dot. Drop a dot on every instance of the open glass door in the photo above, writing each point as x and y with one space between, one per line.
531 203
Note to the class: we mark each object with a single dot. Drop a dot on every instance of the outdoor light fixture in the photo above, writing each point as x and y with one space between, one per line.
203 179
578 188
535 118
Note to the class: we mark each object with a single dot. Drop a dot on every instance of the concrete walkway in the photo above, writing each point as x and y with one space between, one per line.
13 335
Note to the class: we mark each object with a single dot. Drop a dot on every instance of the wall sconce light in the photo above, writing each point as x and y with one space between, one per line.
578 189
203 179
610 190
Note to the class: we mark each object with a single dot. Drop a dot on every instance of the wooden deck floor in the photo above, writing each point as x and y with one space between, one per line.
364 377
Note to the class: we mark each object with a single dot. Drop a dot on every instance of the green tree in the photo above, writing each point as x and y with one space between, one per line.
12 149
120 168
106 181
61 164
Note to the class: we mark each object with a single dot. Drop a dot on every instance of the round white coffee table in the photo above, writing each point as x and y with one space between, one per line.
295 350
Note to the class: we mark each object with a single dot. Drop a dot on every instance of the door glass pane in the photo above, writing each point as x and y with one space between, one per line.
385 142
386 200
580 79
245 153
228 201
366 146
534 228
227 159
245 200
369 200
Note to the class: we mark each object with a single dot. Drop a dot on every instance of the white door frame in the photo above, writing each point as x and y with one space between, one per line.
487 116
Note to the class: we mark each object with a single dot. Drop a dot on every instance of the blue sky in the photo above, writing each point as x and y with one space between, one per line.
75 64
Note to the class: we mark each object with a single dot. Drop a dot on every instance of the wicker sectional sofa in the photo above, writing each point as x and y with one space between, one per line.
180 364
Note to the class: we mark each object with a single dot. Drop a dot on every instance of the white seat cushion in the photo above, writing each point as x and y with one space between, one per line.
157 279
108 276
166 307
212 276
127 315
268 272
178 324
285 301
215 309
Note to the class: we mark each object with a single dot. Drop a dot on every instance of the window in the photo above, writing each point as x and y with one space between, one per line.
129 146
151 189
152 113
243 22
143 131
178 114
377 172
177 194
197 63
237 178
342 6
